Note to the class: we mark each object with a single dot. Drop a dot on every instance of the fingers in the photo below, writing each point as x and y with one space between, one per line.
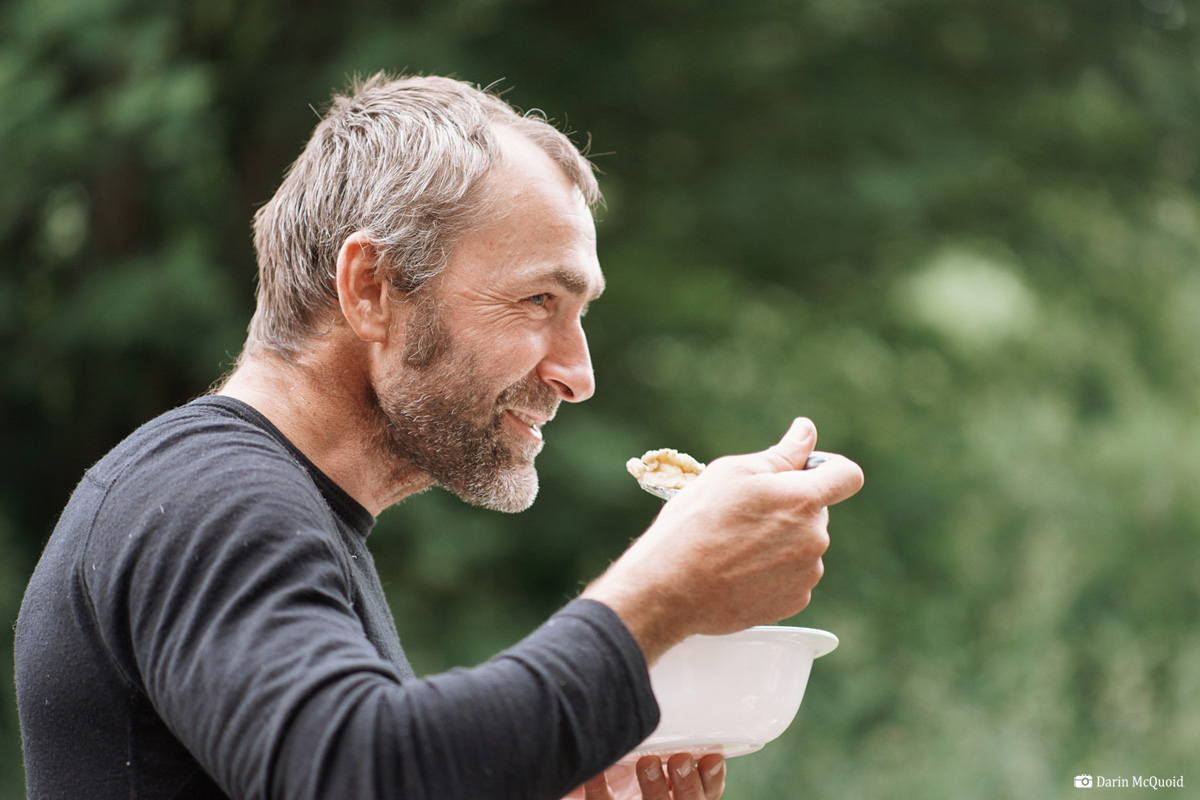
839 476
712 775
795 452
596 789
685 780
835 479
652 780
688 779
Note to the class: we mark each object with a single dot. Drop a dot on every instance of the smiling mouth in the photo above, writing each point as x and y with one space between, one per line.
535 427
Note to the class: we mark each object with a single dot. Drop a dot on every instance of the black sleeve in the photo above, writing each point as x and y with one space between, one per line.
242 633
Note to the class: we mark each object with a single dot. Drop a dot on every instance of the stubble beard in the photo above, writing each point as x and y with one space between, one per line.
432 416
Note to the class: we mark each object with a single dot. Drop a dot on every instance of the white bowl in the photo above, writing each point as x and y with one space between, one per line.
731 694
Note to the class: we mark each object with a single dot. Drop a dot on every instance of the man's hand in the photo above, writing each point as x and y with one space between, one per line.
741 546
681 778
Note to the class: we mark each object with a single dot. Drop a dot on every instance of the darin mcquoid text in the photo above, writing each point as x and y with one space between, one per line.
1140 782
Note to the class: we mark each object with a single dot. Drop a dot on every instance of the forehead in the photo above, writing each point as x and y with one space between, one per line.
536 226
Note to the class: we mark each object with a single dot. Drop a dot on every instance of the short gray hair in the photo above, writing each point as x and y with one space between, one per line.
401 159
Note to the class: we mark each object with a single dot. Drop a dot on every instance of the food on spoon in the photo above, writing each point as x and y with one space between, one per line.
666 469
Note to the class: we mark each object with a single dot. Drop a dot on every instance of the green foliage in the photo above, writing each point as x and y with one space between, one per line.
962 237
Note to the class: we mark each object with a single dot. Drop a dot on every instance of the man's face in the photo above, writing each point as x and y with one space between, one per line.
496 343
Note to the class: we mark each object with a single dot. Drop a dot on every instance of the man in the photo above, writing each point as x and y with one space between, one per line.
206 620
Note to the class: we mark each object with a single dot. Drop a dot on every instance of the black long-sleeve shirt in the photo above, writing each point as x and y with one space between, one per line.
206 621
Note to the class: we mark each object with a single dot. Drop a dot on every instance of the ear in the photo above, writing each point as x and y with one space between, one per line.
363 289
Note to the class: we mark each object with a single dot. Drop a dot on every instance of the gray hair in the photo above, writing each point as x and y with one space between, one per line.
401 159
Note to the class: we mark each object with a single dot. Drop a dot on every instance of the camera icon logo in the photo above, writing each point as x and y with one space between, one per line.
1083 781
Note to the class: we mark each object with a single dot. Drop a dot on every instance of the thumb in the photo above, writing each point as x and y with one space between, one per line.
794 448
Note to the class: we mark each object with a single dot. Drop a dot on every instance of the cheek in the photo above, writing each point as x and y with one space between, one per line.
512 353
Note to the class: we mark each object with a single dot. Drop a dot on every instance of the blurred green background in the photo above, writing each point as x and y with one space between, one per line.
964 237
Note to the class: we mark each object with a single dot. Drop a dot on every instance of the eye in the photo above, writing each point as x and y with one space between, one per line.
539 300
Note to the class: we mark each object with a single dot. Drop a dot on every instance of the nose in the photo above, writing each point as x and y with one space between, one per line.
567 366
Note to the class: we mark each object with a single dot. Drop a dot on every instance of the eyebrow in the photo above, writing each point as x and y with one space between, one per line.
576 284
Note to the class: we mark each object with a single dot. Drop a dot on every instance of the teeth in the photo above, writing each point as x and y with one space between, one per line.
533 426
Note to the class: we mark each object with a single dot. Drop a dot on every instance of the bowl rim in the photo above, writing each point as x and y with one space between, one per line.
822 642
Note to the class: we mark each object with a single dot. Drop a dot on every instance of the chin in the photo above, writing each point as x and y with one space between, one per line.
511 491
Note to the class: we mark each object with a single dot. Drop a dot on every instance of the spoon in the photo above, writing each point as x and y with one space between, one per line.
666 494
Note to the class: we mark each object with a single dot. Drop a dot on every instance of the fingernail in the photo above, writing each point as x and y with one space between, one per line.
684 769
712 773
653 772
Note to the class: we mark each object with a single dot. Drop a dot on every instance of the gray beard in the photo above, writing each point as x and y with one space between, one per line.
430 415
435 433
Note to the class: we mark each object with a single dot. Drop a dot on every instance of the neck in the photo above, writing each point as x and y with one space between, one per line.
327 414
